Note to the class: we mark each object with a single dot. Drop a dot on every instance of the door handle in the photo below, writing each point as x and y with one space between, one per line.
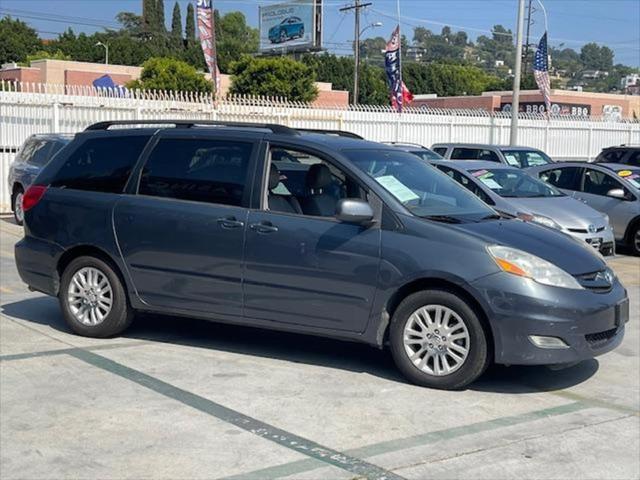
230 222
264 227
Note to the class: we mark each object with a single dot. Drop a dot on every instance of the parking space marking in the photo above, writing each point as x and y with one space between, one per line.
390 446
286 439
66 351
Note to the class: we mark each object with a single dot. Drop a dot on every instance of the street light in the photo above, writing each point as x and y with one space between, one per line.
106 51
356 72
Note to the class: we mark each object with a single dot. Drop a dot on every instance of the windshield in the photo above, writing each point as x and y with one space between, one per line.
631 175
422 189
526 158
513 183
426 155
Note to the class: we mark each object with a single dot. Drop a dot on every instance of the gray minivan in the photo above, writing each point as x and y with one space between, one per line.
267 226
520 157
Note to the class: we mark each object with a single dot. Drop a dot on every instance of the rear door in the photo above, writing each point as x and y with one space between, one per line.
182 234
309 269
595 185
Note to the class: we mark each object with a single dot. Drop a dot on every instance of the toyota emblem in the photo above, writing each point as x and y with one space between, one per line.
592 229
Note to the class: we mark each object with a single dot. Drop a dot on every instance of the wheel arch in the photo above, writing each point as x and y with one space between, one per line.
90 251
633 224
435 283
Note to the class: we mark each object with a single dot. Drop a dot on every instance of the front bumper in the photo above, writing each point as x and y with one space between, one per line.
590 323
603 241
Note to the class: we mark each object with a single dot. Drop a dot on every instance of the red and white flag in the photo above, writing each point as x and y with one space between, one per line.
207 32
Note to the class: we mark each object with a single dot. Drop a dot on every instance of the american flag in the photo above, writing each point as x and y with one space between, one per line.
207 32
541 72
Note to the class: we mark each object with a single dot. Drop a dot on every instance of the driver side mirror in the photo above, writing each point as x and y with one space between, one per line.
617 193
354 210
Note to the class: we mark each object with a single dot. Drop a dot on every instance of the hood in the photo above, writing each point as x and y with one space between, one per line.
552 245
565 211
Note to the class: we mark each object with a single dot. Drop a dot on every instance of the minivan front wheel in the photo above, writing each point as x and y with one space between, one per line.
437 340
93 299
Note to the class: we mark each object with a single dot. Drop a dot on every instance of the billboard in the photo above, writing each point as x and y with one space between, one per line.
291 26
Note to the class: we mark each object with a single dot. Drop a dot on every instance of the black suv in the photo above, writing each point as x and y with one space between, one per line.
318 233
625 154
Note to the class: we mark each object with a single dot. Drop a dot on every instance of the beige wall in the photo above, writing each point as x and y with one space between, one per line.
53 71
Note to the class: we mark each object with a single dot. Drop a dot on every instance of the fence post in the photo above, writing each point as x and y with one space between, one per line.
546 137
138 112
590 140
492 129
55 120
451 128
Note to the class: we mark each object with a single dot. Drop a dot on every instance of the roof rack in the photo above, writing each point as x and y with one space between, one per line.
338 133
275 128
408 144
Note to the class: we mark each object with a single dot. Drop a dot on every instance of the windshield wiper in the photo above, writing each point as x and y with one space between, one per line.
443 218
492 216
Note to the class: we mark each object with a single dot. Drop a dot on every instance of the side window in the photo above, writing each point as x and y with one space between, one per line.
304 184
28 149
41 154
634 159
466 183
200 170
599 183
489 156
101 164
513 159
440 150
567 178
465 154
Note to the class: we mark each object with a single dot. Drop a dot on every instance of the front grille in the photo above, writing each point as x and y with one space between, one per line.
600 338
584 230
601 281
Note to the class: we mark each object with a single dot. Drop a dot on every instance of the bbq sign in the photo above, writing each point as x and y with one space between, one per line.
567 109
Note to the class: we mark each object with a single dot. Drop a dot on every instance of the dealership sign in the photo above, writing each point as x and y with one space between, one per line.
570 109
291 26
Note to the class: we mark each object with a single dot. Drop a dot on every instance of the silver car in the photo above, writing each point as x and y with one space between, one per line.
514 193
611 188
521 157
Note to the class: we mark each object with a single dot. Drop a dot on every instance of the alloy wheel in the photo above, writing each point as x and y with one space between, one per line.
17 207
436 340
90 296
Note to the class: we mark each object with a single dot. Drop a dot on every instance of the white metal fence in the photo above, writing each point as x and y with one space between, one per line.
26 109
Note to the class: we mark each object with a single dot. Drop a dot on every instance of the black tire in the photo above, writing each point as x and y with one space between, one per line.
283 36
634 239
301 33
121 314
16 196
477 358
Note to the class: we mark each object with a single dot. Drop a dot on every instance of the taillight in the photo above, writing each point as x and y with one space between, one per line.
32 196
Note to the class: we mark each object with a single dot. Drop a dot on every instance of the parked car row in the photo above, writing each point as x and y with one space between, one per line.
321 233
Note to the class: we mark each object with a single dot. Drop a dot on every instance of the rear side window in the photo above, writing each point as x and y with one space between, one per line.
101 164
567 178
201 170
474 154
440 150
634 159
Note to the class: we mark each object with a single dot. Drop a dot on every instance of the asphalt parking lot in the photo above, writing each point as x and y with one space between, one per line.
178 398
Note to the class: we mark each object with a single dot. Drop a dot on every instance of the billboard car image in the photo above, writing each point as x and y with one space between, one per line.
289 26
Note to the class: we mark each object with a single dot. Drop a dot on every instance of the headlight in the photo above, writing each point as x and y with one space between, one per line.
542 220
523 264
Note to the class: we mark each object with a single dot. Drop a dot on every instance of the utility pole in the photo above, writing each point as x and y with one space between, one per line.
356 70
515 101
530 10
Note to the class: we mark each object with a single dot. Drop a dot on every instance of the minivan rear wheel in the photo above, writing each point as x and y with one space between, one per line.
16 205
437 340
93 299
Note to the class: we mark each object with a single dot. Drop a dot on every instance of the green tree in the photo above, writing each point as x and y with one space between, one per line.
273 77
149 15
176 27
448 79
44 54
234 38
339 72
190 26
17 40
131 23
170 74
594 57
160 25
